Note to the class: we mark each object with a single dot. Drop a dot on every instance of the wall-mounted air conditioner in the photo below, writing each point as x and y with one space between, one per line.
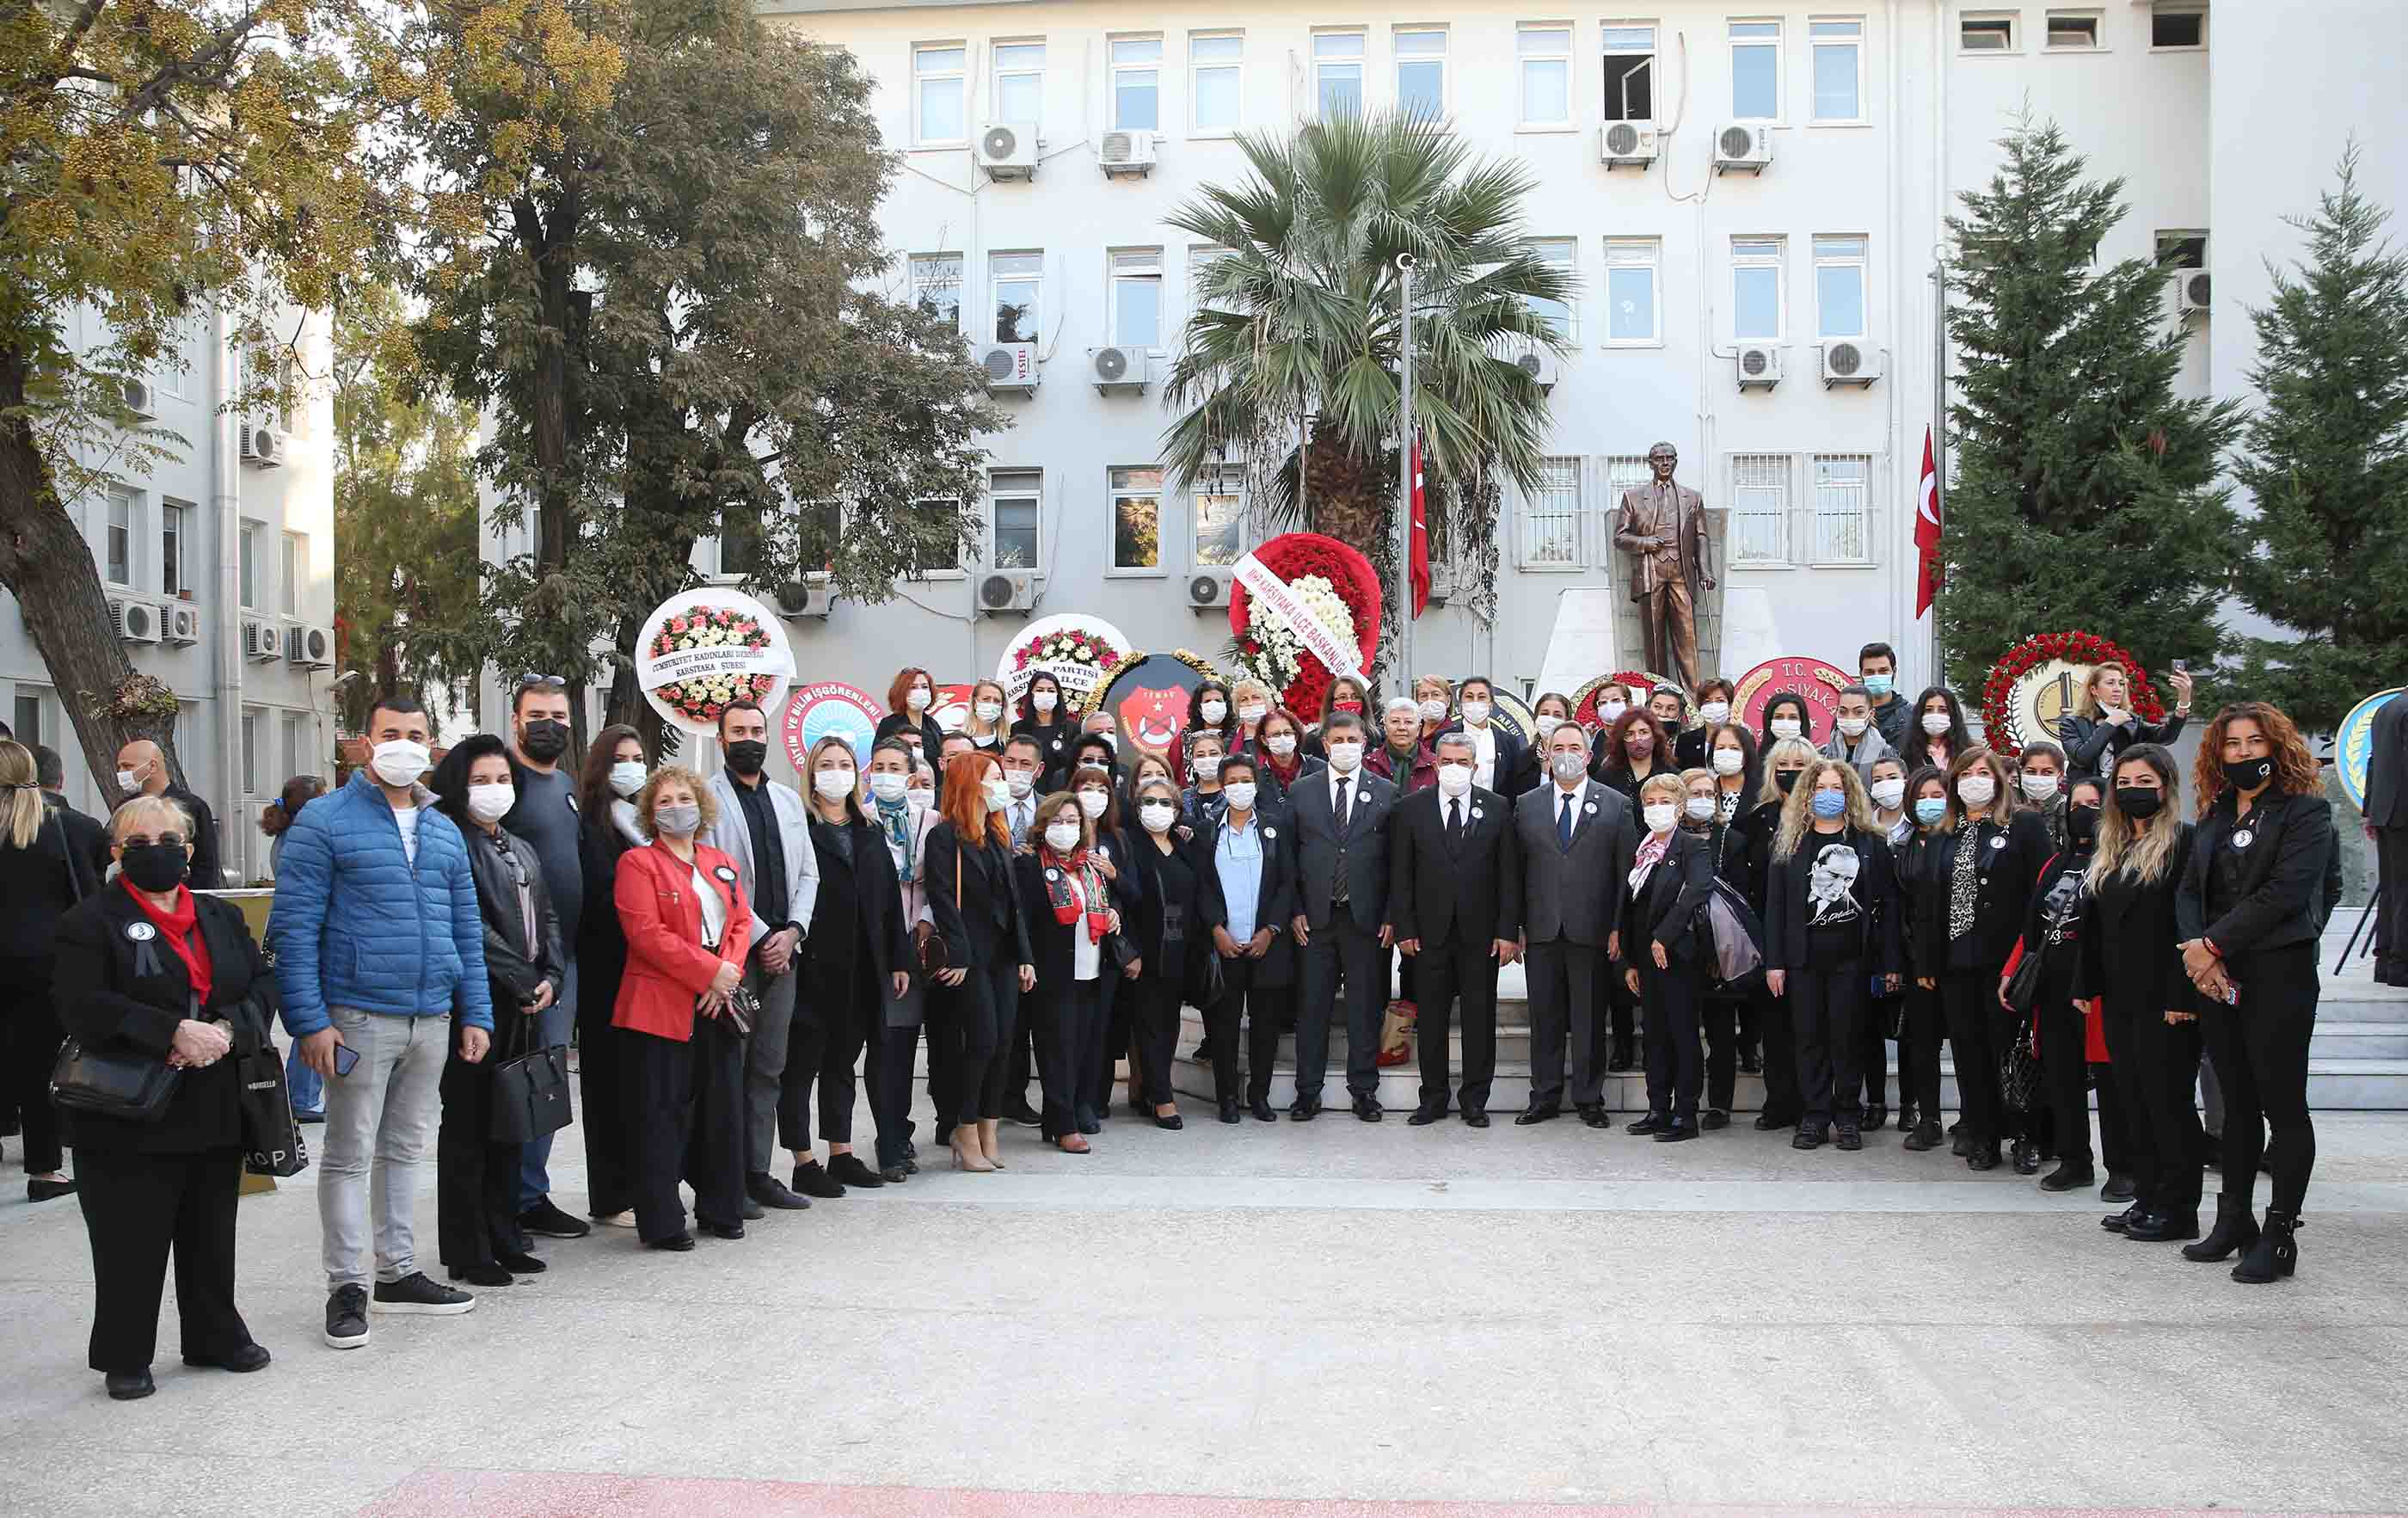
1759 366
136 622
261 641
1850 361
262 446
183 624
1539 364
1008 149
1627 144
1124 152
310 647
999 593
1010 366
1117 369
1742 146
138 399
2190 292
1208 589
804 597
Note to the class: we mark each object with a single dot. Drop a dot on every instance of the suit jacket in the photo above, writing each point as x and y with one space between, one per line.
1665 908
877 897
2007 866
1689 748
1052 947
205 873
517 963
974 899
1274 894
1513 773
732 837
1788 889
1313 841
1445 892
1142 892
2290 877
1641 519
667 966
2145 972
2387 765
2091 745
1574 894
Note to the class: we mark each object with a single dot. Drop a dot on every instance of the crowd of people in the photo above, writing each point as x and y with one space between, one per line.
739 962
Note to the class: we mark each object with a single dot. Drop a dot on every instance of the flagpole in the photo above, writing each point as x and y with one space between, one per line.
1402 607
1939 432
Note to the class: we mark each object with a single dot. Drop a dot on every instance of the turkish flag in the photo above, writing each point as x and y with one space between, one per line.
1421 569
1931 575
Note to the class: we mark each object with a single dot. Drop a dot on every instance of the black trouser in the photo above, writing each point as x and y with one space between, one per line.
1461 968
476 1179
1978 1031
604 1076
892 1051
1563 979
1069 1023
1340 945
985 1013
1156 1017
1872 1048
1782 1102
1624 1010
2391 906
2260 1049
1828 1009
2116 1120
136 1207
1265 1008
831 1024
2154 1066
1676 1065
941 1023
2065 1076
689 1124
30 1024
1719 1019
1021 1062
1921 1027
1118 1038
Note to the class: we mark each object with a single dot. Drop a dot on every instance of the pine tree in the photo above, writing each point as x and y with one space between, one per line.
2085 493
2326 462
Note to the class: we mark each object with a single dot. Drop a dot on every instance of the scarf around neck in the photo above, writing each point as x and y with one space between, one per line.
1089 898
895 818
178 927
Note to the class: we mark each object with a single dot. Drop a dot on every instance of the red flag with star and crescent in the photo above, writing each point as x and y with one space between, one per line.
1932 574
1421 568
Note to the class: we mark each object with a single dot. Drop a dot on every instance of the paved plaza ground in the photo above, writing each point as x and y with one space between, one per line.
1343 1318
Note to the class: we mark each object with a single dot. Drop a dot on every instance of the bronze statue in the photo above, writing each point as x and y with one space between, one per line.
1662 526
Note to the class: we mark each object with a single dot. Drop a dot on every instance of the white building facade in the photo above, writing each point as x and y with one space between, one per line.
218 564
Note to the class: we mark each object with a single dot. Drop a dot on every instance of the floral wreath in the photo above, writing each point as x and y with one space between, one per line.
1328 576
1070 646
702 698
1129 660
2076 647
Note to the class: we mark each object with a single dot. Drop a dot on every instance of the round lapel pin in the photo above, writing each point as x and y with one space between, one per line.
140 932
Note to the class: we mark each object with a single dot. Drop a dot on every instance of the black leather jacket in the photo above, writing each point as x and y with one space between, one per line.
517 967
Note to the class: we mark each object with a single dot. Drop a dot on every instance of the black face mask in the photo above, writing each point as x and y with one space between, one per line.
1787 779
747 755
2081 827
544 740
2139 802
2249 774
156 867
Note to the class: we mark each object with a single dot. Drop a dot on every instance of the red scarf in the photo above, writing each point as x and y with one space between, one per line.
177 928
1088 900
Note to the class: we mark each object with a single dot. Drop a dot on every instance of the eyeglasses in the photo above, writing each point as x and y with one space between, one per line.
542 682
173 840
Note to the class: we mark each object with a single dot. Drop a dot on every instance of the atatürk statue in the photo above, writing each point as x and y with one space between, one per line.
1662 526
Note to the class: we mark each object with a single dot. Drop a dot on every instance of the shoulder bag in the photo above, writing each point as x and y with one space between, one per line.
126 1085
932 946
531 1095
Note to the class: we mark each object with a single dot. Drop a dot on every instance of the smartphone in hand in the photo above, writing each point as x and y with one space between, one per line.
347 1059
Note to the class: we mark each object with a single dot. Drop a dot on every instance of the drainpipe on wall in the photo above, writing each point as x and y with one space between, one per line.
225 614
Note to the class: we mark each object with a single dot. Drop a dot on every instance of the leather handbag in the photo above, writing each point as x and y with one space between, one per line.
2023 987
531 1095
271 1140
933 958
128 1087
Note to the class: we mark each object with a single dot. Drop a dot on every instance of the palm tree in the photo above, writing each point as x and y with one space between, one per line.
1291 354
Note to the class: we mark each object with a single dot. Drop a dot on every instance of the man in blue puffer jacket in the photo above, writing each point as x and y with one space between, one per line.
378 948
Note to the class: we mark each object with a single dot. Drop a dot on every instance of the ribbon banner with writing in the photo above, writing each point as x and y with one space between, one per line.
1337 653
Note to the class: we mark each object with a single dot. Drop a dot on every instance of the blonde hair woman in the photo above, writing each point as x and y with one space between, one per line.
41 878
1254 701
1671 872
1747 851
1984 864
990 720
2103 724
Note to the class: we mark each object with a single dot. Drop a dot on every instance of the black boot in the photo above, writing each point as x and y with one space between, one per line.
2276 1253
2156 1227
2236 1228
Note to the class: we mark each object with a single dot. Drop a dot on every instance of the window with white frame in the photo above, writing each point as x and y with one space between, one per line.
1544 54
1551 516
1986 31
1843 507
940 93
253 538
2071 31
2181 26
1137 84
1200 259
741 531
1337 74
295 735
1016 499
1759 498
1634 297
1136 313
1137 519
1629 71
1624 473
1755 289
27 712
943 556
1840 287
1756 70
1421 70
936 286
1561 254
168 369
1220 507
177 572
1017 284
1020 82
1216 71
254 723
2182 250
117 540
296 569
1838 47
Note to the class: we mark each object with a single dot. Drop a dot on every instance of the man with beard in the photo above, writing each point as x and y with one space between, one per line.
545 815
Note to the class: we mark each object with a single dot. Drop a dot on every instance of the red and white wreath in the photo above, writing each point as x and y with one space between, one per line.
2012 714
1333 585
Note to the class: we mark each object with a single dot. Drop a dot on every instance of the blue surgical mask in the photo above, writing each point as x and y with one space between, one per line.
1880 685
1930 809
1830 804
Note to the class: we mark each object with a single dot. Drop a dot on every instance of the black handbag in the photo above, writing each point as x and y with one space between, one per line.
531 1095
128 1087
271 1140
2023 987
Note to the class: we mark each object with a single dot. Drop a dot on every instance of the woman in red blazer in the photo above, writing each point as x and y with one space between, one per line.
682 905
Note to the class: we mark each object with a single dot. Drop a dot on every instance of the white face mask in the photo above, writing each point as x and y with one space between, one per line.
628 777
1612 710
1062 836
1728 761
1344 755
127 780
1158 816
1019 783
2040 787
1475 712
1785 728
1699 808
1433 711
1241 794
917 698
1713 713
1093 802
1977 789
989 711
1454 779
492 801
1567 767
1253 713
1547 726
1212 711
1661 816
399 761
888 786
834 784
920 797
1936 723
1203 769
1281 746
1043 700
1854 726
1888 794
997 791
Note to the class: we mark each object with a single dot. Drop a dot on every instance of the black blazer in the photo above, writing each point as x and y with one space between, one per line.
2387 765
1513 772
204 873
1787 887
2144 973
1664 909
2290 875
1057 738
2007 868
1143 891
1051 946
1575 894
1689 748
876 904
985 923
1275 897
1312 832
113 996
1446 893
517 966
1272 794
1747 851
2091 745
41 884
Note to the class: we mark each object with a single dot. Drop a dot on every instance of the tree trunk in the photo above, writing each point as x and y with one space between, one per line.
550 250
45 563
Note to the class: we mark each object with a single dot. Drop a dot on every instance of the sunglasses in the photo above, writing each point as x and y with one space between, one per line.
542 682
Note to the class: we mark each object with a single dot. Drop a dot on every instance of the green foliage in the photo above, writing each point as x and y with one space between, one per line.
2085 494
2325 460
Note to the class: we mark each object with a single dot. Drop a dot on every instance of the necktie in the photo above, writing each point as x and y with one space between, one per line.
1345 810
1455 820
1563 822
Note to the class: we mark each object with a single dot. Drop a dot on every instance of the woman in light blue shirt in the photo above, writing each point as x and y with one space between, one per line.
1248 893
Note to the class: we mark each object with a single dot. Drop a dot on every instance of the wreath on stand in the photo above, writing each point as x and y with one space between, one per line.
1338 583
2002 720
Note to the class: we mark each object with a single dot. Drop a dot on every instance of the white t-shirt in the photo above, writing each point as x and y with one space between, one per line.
1086 954
406 817
714 911
1484 755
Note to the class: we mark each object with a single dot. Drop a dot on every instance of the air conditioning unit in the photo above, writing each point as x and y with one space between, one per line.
1742 146
1850 361
311 648
804 597
1539 363
261 641
1126 152
1443 583
183 624
2190 290
1118 368
138 399
1010 366
262 446
1631 143
1208 589
1759 366
1001 593
1008 149
136 622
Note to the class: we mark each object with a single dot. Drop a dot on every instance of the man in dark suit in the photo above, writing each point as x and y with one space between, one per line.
142 770
87 840
1575 836
1339 842
1455 898
2387 816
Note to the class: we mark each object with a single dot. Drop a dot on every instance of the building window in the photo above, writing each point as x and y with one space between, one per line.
297 759
1759 497
1215 81
1838 73
1421 72
942 556
253 533
1625 473
1629 73
1634 312
1016 497
1755 289
27 728
254 739
1986 31
936 286
1220 522
1137 519
297 569
1546 59
1137 84
2182 250
1338 73
2183 26
1020 82
1755 71
1136 298
1843 507
1840 287
740 535
1551 516
175 526
2072 31
938 114
117 536
1017 281
1560 254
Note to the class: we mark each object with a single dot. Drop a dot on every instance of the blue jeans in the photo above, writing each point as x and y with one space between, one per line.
553 1026
308 1088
